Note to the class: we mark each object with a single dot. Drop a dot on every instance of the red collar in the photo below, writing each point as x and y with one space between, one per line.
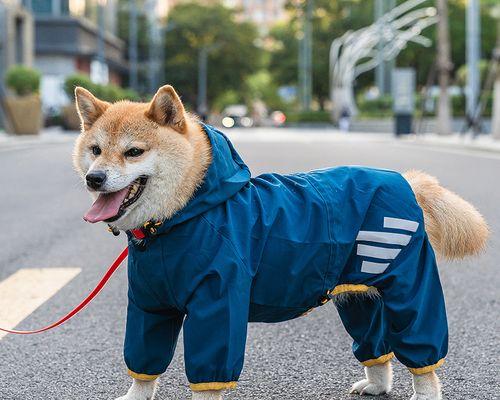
150 228
138 234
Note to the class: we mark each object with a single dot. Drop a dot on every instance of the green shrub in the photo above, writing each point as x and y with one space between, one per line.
23 80
109 93
308 116
379 107
75 80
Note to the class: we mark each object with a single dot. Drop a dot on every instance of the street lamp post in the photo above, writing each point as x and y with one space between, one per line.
444 66
305 57
101 56
99 72
134 80
383 70
495 120
202 82
473 29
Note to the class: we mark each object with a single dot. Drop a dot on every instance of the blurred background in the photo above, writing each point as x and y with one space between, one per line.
296 85
255 62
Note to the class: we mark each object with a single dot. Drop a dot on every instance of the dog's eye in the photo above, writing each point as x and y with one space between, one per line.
134 152
96 150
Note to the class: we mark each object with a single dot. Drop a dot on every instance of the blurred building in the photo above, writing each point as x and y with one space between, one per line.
16 35
68 37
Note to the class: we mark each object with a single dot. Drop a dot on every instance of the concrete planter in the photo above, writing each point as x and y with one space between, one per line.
24 114
71 118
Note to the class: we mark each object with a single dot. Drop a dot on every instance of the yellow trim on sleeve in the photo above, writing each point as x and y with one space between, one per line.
350 288
142 377
426 370
380 360
200 387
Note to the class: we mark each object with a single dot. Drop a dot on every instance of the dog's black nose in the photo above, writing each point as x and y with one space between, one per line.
95 179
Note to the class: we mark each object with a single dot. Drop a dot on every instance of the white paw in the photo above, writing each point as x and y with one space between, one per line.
141 390
207 395
134 396
365 387
418 396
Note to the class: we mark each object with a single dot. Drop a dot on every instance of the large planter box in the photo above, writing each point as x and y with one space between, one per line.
24 114
71 119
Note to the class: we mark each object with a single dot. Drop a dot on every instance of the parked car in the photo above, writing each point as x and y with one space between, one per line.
236 116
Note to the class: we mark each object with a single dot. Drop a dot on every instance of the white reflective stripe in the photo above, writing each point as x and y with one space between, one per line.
373 268
397 223
377 252
384 237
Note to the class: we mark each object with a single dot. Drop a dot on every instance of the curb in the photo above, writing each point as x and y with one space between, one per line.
483 143
10 142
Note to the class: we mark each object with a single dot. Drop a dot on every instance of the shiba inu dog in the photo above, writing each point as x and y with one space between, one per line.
211 248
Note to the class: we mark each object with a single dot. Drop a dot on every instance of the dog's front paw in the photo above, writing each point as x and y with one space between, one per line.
134 396
207 395
366 387
141 390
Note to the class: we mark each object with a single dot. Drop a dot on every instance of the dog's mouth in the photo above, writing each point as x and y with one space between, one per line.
111 206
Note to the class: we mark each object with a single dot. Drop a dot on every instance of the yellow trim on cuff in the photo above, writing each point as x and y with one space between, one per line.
380 360
200 387
349 288
142 377
426 370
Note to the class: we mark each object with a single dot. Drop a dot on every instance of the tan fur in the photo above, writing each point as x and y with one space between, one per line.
455 228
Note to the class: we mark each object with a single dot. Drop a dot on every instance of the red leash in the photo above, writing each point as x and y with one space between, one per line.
84 303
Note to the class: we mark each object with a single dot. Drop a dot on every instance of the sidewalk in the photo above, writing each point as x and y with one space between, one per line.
47 136
456 141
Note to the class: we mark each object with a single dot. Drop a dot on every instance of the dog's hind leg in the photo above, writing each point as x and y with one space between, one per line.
378 380
208 395
362 316
426 387
141 390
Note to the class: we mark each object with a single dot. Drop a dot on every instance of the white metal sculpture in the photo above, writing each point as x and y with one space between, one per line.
359 51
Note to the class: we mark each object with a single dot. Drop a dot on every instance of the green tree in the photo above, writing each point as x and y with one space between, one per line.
142 38
232 57
333 18
422 59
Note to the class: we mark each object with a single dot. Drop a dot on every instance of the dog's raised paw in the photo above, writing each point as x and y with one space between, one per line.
365 387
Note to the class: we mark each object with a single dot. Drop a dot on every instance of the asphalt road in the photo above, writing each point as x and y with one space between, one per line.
41 204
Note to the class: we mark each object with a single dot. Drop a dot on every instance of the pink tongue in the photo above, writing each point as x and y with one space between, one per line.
106 206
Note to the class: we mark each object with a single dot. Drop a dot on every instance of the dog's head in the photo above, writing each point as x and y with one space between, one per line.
134 157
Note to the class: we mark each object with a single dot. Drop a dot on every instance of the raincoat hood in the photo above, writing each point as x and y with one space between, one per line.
226 175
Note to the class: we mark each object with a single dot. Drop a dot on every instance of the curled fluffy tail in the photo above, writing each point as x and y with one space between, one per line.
455 228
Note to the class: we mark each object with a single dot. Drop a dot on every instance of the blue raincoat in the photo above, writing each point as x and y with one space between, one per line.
270 248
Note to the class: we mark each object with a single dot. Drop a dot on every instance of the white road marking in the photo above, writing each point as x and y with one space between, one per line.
382 253
384 237
398 223
27 289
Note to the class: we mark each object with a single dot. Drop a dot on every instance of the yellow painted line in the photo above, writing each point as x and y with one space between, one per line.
27 289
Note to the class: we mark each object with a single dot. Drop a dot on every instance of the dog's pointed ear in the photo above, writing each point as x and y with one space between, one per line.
166 109
89 107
